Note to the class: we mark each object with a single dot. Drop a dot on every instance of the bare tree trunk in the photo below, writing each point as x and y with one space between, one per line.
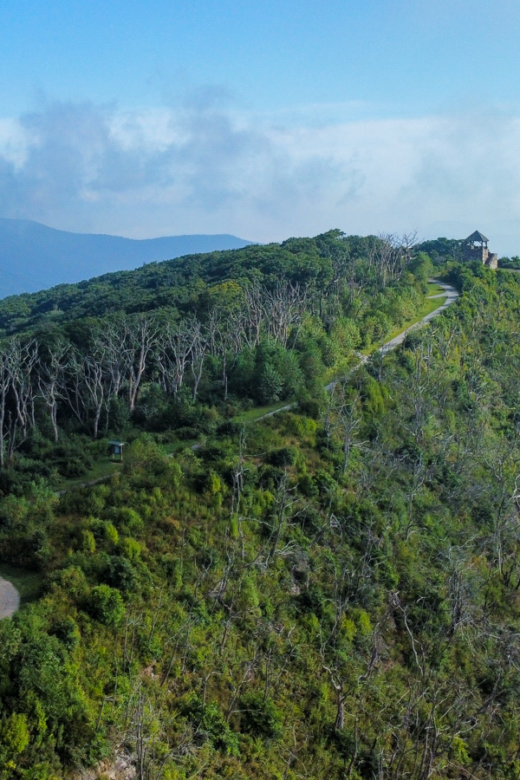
173 353
5 383
21 361
141 338
337 684
95 390
198 355
51 380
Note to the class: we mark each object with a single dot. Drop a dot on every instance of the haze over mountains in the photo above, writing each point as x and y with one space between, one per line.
34 256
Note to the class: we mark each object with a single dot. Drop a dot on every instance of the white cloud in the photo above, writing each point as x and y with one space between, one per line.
15 141
202 168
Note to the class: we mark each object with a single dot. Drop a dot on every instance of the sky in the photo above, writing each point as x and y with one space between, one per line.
262 119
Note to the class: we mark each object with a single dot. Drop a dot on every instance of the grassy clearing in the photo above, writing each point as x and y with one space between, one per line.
171 447
259 411
27 583
104 467
435 289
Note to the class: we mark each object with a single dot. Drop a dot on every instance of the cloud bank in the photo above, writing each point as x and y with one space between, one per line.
206 168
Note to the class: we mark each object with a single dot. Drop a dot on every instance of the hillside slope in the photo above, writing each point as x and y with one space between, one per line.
195 281
34 256
332 592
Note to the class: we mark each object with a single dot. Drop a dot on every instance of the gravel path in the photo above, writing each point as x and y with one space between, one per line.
451 295
9 599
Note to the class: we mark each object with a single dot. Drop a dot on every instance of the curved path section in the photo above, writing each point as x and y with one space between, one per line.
451 295
9 599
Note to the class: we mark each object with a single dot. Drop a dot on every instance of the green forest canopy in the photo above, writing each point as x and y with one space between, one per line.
332 592
183 283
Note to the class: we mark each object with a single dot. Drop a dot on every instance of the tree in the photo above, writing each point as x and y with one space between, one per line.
51 378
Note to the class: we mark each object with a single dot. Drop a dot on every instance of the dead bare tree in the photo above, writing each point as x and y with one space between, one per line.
140 339
221 341
348 423
198 354
283 307
390 255
173 353
5 384
338 684
94 386
109 346
252 316
154 753
73 386
283 502
84 388
51 376
21 361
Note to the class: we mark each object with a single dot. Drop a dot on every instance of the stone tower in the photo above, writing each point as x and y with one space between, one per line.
476 248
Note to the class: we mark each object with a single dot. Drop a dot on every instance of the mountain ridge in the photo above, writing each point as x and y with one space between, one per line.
34 256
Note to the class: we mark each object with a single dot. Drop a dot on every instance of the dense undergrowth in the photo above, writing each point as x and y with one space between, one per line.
333 592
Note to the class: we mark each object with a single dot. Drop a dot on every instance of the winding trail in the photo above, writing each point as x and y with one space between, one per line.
450 294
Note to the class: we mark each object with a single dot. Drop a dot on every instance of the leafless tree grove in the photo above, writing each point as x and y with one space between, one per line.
38 380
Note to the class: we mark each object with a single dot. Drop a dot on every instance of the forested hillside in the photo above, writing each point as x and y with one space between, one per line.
183 346
191 283
332 592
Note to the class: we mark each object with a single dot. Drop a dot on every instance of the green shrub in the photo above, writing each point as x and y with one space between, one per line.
106 605
284 456
121 574
260 717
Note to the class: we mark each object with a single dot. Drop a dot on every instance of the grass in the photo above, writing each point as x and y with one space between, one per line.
171 447
27 583
104 467
259 411
435 289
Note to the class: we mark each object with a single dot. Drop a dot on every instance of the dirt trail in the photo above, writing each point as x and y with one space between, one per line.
9 599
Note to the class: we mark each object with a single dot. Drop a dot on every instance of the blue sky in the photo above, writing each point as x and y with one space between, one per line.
262 119
407 56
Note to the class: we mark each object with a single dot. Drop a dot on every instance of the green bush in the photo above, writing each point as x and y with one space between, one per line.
285 456
106 605
260 717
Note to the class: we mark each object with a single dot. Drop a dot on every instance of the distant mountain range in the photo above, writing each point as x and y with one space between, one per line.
34 256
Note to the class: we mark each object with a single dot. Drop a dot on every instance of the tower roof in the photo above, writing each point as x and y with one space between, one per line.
477 236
